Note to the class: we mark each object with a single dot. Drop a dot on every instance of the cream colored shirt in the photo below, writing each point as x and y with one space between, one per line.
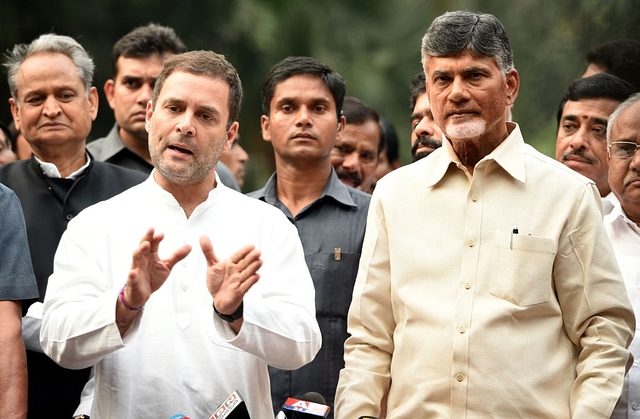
467 319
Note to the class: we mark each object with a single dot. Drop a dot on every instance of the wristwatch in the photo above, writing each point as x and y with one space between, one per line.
229 317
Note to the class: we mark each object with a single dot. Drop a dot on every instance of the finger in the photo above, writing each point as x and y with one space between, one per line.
139 254
246 260
155 242
238 256
207 250
148 236
177 256
248 283
249 276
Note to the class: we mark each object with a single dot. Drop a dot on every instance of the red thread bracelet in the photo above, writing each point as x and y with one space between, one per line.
124 302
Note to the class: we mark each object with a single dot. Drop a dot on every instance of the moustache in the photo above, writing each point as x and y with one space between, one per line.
631 178
580 154
352 177
424 141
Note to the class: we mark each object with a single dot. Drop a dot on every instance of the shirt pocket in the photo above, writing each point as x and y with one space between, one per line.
333 279
522 267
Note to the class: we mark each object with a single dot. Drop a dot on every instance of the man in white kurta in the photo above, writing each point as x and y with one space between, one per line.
159 348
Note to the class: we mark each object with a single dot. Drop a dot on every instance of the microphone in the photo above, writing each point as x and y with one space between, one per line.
232 408
310 405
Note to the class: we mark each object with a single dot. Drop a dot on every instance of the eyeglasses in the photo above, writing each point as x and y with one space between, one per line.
623 149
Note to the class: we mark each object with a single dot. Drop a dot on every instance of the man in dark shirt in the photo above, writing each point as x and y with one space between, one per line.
53 105
302 118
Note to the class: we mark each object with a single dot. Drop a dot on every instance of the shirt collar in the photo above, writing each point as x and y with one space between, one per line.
51 170
112 144
509 155
334 189
617 215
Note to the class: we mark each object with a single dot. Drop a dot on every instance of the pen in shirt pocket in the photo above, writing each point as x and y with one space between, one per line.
513 231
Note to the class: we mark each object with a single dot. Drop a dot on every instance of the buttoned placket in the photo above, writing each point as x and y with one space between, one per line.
464 301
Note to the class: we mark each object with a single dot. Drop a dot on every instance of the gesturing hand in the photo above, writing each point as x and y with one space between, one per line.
148 272
229 280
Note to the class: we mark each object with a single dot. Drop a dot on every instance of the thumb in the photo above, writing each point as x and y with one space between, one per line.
207 250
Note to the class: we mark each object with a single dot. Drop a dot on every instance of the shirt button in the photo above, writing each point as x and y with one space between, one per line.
459 377
471 242
635 406
467 285
184 287
68 217
474 197
461 329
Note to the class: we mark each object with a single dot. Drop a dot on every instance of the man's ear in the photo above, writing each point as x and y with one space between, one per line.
94 101
341 124
231 135
264 125
109 92
149 114
15 112
512 86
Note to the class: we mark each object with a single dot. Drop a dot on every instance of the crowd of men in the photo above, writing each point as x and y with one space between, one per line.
482 280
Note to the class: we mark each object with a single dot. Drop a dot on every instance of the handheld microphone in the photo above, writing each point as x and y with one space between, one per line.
310 405
232 408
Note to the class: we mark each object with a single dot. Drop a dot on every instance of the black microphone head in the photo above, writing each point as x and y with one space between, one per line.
312 396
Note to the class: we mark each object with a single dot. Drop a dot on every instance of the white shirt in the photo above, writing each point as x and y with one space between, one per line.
609 202
178 357
32 321
625 238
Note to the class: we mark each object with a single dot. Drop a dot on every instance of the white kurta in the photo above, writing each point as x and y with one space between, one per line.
178 357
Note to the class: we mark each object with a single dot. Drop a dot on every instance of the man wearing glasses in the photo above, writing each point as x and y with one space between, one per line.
623 225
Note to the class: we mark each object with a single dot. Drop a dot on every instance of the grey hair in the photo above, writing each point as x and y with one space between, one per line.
481 34
621 107
49 43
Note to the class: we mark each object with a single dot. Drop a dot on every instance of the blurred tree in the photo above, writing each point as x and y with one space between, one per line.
374 44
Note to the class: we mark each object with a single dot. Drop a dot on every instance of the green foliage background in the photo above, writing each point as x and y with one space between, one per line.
374 44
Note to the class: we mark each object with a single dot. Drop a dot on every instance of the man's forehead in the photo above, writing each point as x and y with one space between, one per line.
297 87
206 92
367 132
465 55
47 69
589 108
627 124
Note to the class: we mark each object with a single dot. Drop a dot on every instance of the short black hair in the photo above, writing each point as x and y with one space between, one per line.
292 66
145 41
357 112
601 85
620 57
392 144
417 88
